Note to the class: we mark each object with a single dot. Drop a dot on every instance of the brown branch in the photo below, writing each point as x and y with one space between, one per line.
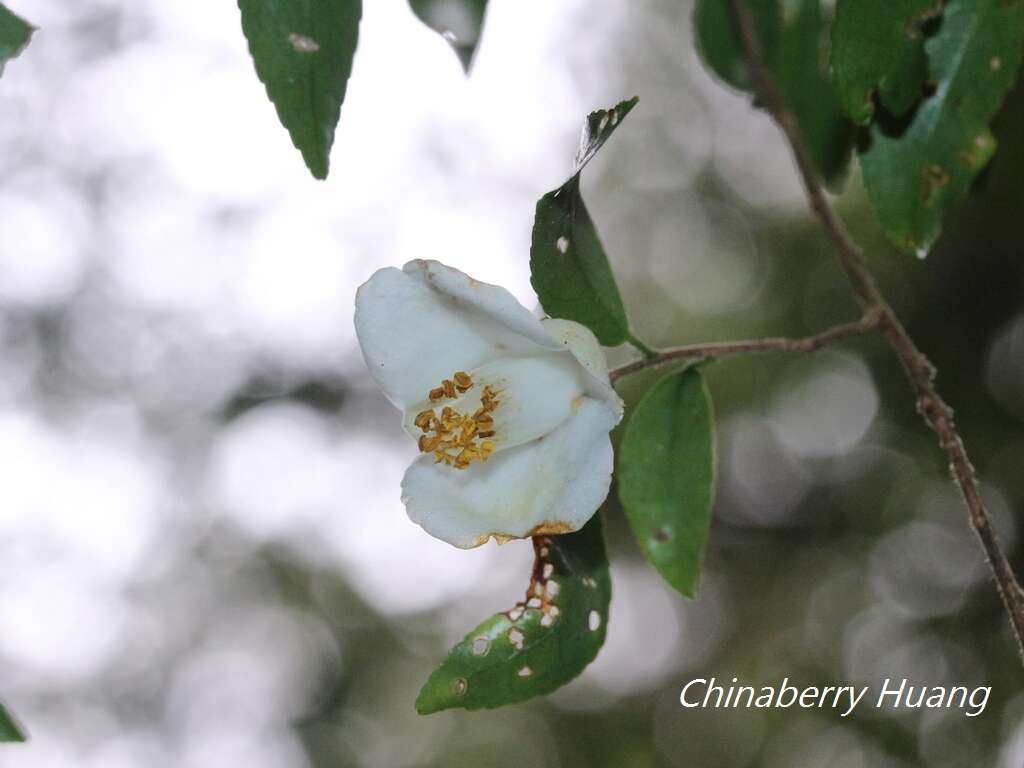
919 370
721 349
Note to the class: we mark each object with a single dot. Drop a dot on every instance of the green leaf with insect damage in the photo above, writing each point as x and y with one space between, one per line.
568 265
15 33
540 644
915 170
878 52
460 22
10 730
793 36
303 53
666 475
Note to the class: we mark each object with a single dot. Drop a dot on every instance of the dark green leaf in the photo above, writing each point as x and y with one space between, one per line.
460 22
568 265
878 48
666 476
303 54
791 34
10 730
15 33
914 173
718 37
542 643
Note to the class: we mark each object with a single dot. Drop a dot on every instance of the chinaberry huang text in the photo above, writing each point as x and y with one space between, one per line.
898 694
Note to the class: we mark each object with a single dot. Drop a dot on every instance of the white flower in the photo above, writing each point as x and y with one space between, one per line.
512 413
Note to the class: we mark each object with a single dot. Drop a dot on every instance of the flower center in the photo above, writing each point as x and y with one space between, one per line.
458 439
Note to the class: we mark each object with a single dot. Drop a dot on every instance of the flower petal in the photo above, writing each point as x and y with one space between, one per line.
490 300
535 395
584 346
551 485
418 326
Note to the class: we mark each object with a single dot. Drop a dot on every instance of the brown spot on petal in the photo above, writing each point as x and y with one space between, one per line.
549 528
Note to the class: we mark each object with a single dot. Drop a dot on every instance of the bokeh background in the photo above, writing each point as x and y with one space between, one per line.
203 556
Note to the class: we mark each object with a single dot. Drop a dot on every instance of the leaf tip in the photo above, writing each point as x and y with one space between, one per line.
438 694
687 588
317 164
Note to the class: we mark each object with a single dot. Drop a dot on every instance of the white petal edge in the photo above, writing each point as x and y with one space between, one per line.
491 300
585 347
553 485
413 333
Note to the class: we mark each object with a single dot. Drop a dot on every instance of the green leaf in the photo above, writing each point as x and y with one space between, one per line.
10 730
878 48
914 173
15 33
666 475
460 22
791 34
568 265
303 53
540 644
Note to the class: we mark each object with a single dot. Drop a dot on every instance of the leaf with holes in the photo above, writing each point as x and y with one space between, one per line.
790 34
303 55
460 22
540 644
666 475
878 51
10 730
15 33
568 265
915 171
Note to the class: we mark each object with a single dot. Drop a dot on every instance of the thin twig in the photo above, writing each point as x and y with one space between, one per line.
919 370
721 349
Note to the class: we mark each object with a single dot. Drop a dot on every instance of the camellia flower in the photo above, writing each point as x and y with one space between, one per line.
511 413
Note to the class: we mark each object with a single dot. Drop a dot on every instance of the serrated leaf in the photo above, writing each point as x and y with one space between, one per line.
540 644
914 173
792 34
460 22
15 34
666 476
10 730
569 268
878 49
303 54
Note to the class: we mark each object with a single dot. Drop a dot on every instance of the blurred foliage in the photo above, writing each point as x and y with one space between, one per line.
791 36
915 169
878 51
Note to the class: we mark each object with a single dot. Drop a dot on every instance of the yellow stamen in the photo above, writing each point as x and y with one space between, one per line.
423 419
452 436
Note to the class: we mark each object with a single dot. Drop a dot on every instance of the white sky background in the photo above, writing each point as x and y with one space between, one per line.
152 205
